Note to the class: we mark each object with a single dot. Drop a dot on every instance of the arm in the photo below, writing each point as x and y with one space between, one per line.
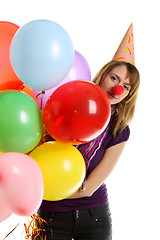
101 172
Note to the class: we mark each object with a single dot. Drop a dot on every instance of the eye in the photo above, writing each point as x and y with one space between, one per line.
114 78
126 87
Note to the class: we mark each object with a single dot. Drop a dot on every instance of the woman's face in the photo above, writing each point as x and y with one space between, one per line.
117 76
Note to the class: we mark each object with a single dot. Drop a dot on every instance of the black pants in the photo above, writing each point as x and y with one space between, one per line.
88 224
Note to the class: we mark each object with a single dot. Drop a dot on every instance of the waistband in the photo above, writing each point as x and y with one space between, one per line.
91 211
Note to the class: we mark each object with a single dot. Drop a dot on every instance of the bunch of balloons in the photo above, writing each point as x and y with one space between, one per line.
45 85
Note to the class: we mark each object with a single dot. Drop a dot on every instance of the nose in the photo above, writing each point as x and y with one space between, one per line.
118 90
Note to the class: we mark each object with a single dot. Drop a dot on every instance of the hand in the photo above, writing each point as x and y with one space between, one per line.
78 194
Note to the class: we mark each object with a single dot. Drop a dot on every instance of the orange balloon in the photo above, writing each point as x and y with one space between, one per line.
29 91
8 78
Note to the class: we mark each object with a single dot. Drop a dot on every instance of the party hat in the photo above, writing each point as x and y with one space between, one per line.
125 51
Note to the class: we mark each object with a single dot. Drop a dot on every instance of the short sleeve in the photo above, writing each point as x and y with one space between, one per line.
121 137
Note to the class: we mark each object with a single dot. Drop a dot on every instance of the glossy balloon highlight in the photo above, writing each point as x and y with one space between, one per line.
77 112
63 169
21 122
41 54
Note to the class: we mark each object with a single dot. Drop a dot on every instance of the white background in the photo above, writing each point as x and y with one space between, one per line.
96 29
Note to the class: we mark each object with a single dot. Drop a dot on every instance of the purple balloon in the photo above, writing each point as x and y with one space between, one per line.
80 70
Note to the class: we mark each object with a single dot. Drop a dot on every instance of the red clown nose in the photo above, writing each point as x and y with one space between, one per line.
118 90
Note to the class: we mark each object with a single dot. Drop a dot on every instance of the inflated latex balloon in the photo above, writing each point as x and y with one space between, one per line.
79 70
8 78
63 169
118 90
21 122
29 91
21 180
77 112
41 54
5 211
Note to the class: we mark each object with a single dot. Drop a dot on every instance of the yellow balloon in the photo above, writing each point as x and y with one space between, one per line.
63 169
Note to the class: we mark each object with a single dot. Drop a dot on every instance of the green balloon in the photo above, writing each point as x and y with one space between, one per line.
21 122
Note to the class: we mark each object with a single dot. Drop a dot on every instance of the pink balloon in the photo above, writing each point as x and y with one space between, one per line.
79 71
5 211
22 182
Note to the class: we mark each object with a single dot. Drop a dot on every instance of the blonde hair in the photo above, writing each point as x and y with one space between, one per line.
124 110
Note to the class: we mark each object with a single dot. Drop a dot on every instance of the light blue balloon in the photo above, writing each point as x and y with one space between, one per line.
41 54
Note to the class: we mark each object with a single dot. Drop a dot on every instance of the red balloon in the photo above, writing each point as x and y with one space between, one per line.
8 78
77 112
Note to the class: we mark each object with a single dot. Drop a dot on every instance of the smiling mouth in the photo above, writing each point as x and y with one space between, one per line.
111 96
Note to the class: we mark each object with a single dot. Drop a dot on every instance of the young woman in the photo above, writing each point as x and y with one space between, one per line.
86 215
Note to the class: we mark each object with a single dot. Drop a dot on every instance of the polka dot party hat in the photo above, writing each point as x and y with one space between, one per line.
125 51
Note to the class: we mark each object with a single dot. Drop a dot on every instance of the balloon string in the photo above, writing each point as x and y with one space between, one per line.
10 232
35 228
40 98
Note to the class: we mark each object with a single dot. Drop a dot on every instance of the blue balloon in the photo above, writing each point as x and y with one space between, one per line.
41 54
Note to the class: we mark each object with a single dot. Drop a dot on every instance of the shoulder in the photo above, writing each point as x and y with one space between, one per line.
122 136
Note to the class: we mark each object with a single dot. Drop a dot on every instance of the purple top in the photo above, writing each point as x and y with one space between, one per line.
100 196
